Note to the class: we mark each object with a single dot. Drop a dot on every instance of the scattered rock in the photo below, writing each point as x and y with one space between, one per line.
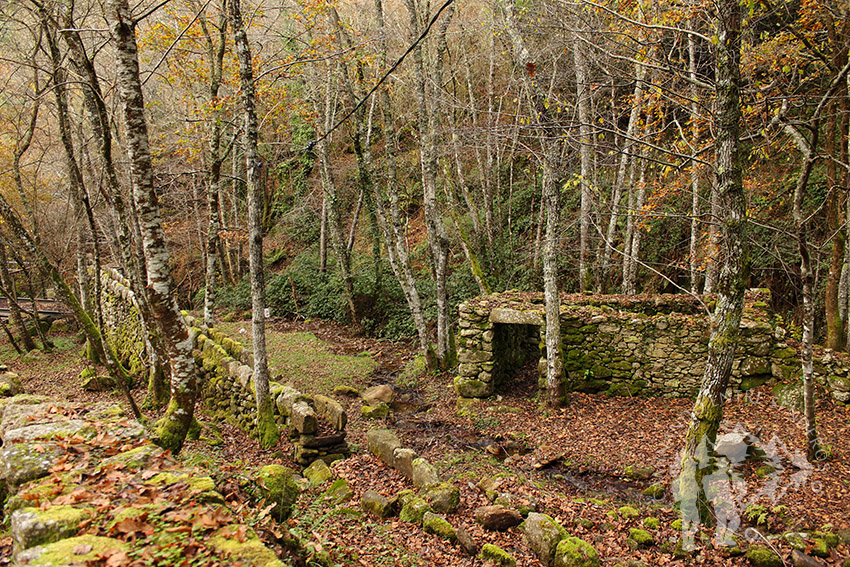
10 384
760 556
379 411
636 472
443 497
800 559
403 461
382 443
656 491
438 526
424 473
36 526
346 391
640 537
318 473
378 394
497 518
466 542
737 446
575 552
497 555
543 534
277 486
376 504
339 492
628 512
414 510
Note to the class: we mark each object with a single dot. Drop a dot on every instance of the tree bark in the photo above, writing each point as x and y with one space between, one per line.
585 147
172 327
268 431
697 456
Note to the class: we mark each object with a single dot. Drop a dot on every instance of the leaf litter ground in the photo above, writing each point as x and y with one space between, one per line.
570 463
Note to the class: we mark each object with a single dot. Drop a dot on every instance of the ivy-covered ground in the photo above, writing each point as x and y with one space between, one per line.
602 467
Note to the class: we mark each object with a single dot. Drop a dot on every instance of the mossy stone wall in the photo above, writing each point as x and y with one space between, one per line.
628 345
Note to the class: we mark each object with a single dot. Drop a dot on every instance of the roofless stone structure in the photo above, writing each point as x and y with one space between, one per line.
626 345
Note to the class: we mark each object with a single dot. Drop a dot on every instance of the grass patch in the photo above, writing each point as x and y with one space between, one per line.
306 361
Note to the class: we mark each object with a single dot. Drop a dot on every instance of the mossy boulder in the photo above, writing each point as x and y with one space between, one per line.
628 512
760 556
640 537
318 473
378 411
496 555
278 487
438 526
36 526
10 385
424 473
339 492
543 534
249 550
639 472
70 551
575 552
443 497
376 504
651 523
655 490
414 510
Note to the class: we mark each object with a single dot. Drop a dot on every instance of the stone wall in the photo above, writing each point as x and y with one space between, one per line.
627 345
123 325
316 424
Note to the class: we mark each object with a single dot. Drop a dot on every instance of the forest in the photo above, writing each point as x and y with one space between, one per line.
377 163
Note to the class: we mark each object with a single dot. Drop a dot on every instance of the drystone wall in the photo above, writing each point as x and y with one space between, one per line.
635 345
316 424
122 322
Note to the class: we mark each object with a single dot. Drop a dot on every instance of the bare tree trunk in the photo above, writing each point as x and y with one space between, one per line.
390 223
268 431
585 147
726 321
694 109
551 151
173 330
438 239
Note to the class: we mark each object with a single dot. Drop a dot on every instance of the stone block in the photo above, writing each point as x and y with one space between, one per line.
403 461
424 473
472 388
382 443
303 418
332 411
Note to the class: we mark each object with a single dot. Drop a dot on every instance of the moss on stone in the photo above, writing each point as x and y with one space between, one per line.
251 551
628 512
62 551
760 556
640 537
438 526
414 510
338 492
575 552
497 555
651 523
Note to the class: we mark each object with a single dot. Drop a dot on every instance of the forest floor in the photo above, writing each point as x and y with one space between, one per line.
569 463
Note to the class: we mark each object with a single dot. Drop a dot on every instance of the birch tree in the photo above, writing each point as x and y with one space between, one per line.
697 455
267 427
179 414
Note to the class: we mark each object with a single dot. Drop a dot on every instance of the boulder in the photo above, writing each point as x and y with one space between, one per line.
377 394
575 552
637 472
424 473
318 473
640 537
443 497
466 542
403 461
78 550
438 526
414 510
498 556
278 487
339 492
543 534
376 504
497 518
760 556
10 385
36 526
378 411
382 443
800 559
